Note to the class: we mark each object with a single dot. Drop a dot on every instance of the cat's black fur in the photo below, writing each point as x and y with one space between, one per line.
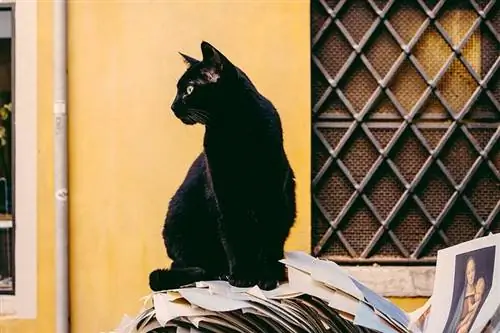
233 212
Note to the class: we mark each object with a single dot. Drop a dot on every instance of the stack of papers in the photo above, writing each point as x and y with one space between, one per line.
321 296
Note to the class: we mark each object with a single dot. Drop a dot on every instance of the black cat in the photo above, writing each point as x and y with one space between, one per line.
234 210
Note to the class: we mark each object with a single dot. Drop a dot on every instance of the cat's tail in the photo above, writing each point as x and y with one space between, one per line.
165 279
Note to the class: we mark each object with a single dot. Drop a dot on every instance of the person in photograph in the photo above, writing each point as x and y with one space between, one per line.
472 307
473 278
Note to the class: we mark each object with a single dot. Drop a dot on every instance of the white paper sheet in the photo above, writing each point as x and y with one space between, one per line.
212 302
383 305
167 310
367 318
299 260
334 276
303 282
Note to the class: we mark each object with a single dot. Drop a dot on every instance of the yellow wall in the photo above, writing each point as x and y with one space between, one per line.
128 153
409 304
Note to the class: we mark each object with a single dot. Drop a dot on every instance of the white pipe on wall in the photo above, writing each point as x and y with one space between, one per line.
61 167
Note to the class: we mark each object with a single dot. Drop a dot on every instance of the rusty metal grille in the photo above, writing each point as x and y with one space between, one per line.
406 115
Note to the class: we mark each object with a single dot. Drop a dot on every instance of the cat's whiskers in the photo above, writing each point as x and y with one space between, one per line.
190 118
203 117
195 117
200 115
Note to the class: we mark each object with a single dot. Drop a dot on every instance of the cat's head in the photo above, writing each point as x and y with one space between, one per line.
202 88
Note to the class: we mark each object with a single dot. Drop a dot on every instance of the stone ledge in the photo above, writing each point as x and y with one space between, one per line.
396 281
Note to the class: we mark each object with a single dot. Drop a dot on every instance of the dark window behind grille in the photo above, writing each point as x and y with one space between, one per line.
6 154
406 114
6 259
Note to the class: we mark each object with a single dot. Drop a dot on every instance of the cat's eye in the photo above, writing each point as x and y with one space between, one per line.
189 89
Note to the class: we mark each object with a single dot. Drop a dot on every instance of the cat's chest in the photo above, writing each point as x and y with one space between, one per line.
236 157
233 147
231 164
228 163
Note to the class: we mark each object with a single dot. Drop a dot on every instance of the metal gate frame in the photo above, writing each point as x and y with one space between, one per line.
408 123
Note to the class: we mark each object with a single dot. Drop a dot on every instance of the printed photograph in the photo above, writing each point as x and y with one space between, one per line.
472 284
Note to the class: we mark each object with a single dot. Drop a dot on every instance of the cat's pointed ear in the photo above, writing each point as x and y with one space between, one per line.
189 60
211 56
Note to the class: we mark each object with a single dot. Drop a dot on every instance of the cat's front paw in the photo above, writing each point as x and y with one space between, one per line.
247 282
156 279
223 277
268 284
271 275
241 281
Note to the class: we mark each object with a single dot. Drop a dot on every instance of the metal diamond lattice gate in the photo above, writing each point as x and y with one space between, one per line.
406 114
